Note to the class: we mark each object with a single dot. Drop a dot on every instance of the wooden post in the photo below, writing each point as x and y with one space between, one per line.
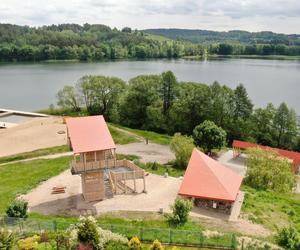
134 181
84 159
95 155
144 181
124 183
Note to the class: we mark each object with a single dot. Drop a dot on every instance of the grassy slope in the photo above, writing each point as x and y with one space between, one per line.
121 137
273 210
35 153
152 136
19 178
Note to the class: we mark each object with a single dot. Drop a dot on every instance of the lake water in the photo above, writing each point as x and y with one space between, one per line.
31 87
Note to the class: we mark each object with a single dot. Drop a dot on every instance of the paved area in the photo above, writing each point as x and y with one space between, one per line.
236 207
148 152
161 193
236 164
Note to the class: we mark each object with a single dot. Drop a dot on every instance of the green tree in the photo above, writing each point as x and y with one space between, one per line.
208 136
182 147
168 85
242 103
190 107
262 128
142 92
101 93
285 123
69 98
180 211
267 171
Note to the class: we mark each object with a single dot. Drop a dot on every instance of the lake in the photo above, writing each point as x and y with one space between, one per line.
33 86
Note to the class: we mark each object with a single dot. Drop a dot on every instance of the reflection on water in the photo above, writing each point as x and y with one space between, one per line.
31 87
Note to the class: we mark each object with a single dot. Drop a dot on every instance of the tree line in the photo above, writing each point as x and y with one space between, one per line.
161 103
86 42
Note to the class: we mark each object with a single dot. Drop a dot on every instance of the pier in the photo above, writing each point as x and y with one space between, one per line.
10 112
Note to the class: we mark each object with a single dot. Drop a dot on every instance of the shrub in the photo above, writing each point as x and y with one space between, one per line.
182 147
87 231
288 238
209 136
18 209
268 171
6 239
28 243
134 243
180 211
156 245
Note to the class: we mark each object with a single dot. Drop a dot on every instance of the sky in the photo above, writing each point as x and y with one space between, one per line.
282 16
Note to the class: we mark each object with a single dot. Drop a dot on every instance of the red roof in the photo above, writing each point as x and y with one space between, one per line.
294 156
89 134
208 179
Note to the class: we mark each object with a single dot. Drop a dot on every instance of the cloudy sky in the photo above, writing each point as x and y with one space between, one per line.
252 15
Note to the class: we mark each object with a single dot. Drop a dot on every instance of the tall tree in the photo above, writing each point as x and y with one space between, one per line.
69 98
168 85
242 103
285 123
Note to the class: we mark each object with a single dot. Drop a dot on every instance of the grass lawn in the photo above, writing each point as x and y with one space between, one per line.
273 210
18 178
35 153
121 137
152 136
161 169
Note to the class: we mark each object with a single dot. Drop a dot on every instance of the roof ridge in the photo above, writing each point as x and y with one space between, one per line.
214 173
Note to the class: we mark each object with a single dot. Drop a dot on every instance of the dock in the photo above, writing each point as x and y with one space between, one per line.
9 112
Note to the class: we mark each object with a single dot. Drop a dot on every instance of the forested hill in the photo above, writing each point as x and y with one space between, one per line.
207 36
85 42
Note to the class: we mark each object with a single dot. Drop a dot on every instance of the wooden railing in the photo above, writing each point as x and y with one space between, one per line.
135 172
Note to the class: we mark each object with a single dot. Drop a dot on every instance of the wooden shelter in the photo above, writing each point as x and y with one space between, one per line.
209 183
102 175
293 156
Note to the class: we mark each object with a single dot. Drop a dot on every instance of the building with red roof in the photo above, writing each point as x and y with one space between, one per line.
209 183
291 155
102 175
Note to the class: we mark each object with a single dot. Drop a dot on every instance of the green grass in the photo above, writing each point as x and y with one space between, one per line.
161 169
35 153
19 178
152 136
121 137
272 210
157 38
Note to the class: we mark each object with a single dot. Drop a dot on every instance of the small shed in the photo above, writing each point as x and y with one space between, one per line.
210 184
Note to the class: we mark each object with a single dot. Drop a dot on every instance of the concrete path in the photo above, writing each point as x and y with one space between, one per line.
236 207
237 164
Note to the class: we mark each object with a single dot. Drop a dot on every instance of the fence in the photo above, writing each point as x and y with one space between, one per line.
164 235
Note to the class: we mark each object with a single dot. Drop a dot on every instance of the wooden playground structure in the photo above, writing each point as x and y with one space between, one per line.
102 175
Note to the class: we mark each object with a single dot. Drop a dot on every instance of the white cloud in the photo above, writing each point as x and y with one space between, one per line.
254 15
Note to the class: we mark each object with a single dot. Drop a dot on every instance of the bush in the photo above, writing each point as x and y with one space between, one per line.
268 171
18 209
288 238
156 245
7 239
209 136
180 211
182 147
87 231
29 243
134 243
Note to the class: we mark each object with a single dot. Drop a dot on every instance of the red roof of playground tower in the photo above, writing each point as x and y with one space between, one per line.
208 179
89 133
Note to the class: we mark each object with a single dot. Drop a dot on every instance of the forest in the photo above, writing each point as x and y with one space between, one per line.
162 104
86 42
99 42
236 42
